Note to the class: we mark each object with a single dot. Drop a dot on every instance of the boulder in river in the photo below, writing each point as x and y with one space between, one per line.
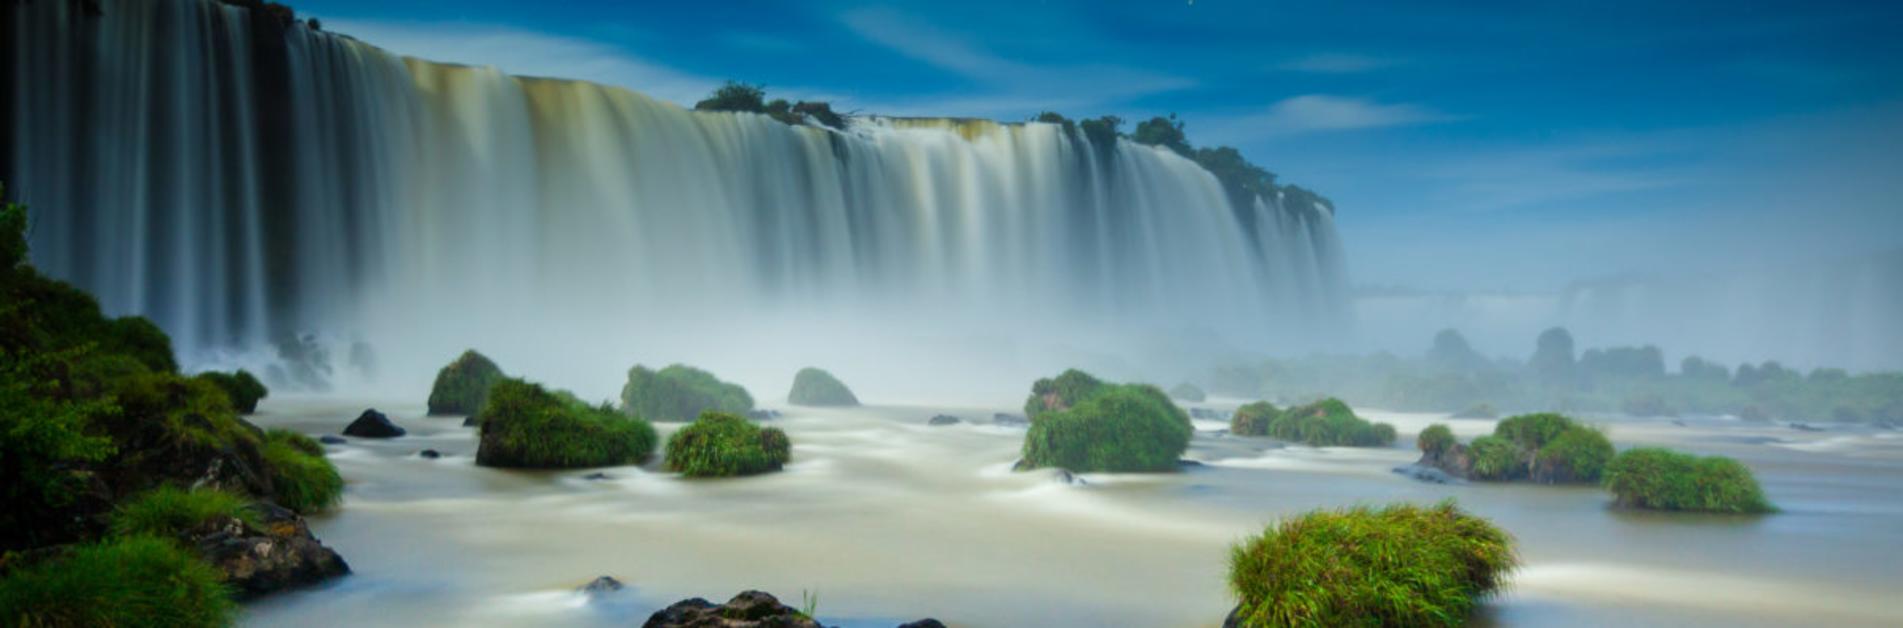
331 439
430 454
373 424
276 554
923 623
943 419
749 609
601 586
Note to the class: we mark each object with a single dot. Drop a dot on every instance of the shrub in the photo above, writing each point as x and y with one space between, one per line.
1164 132
815 387
1496 458
1329 423
462 386
1579 454
680 393
1129 427
168 510
241 388
1661 479
526 426
1402 565
1435 439
131 581
1544 447
303 479
719 444
1253 419
735 96
1188 392
1054 394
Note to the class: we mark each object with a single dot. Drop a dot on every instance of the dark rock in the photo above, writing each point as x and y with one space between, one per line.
1232 621
373 424
943 419
1190 464
763 414
750 609
470 421
1883 425
1009 419
1065 476
331 439
1428 474
923 623
602 586
1021 465
1678 422
597 477
1806 427
1455 462
430 454
278 553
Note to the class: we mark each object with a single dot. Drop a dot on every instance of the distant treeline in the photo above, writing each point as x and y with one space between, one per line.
1452 377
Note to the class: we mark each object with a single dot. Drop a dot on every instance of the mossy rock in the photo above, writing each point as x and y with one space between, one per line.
719 444
241 387
1329 423
168 510
302 477
1118 427
1401 565
462 386
129 581
1188 392
1059 393
680 393
816 387
524 425
1653 478
1253 419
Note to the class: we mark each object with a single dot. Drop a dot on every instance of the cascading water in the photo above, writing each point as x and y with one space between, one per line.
237 179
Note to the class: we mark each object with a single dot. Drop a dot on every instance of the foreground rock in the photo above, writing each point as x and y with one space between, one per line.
749 609
276 554
373 424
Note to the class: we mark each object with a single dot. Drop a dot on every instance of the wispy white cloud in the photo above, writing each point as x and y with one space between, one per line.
1336 63
1316 113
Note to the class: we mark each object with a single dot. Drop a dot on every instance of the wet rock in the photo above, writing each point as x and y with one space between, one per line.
1187 464
597 477
1455 463
373 424
763 414
1427 474
430 454
923 623
470 421
276 554
1232 621
943 419
1012 420
601 586
750 609
1065 476
331 439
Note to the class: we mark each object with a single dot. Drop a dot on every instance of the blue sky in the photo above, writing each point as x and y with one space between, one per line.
1472 148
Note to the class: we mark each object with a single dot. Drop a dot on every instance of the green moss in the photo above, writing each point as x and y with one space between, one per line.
1055 394
815 387
1128 427
302 477
1188 392
680 393
243 389
526 426
1402 565
1329 423
463 385
1435 439
168 510
1496 459
719 444
1253 419
131 581
1661 479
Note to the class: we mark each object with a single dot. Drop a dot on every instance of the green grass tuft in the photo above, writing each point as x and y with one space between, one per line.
1118 427
680 393
724 445
168 510
527 426
303 478
1329 423
128 581
1655 478
243 389
1435 439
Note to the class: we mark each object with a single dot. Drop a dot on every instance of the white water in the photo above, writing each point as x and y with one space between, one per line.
183 171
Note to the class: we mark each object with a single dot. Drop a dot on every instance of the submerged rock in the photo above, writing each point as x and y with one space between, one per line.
943 419
749 609
331 439
601 586
373 424
1072 479
1806 427
1012 420
1428 474
278 553
430 454
597 477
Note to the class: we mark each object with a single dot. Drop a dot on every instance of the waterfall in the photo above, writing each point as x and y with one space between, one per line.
237 179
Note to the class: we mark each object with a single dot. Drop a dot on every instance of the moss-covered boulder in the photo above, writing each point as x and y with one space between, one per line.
719 444
1653 478
1115 427
1402 565
463 385
524 425
680 393
1329 423
1188 392
1055 394
816 387
1253 419
241 387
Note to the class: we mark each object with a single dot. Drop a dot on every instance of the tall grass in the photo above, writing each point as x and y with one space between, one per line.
1661 479
527 426
126 581
304 479
1121 427
724 445
168 510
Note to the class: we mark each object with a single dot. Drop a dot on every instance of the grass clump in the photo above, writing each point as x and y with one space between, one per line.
303 479
680 393
129 581
719 444
1547 448
816 387
1496 458
242 388
463 385
1059 393
1329 423
1126 427
1435 439
1401 565
1653 478
1253 419
526 426
168 510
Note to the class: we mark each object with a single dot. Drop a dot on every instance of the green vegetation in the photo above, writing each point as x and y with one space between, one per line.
1546 448
1435 439
304 479
1243 181
680 393
815 387
463 385
241 388
1188 392
1661 479
1093 426
526 426
719 444
1495 458
1329 423
1253 419
168 510
130 581
1402 565
740 97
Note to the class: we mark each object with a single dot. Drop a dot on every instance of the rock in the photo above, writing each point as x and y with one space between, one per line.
750 609
430 454
1190 464
1232 621
1065 476
943 419
597 477
331 439
923 623
470 421
278 553
373 424
1009 419
1427 474
601 586
1021 465
763 414
1806 427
